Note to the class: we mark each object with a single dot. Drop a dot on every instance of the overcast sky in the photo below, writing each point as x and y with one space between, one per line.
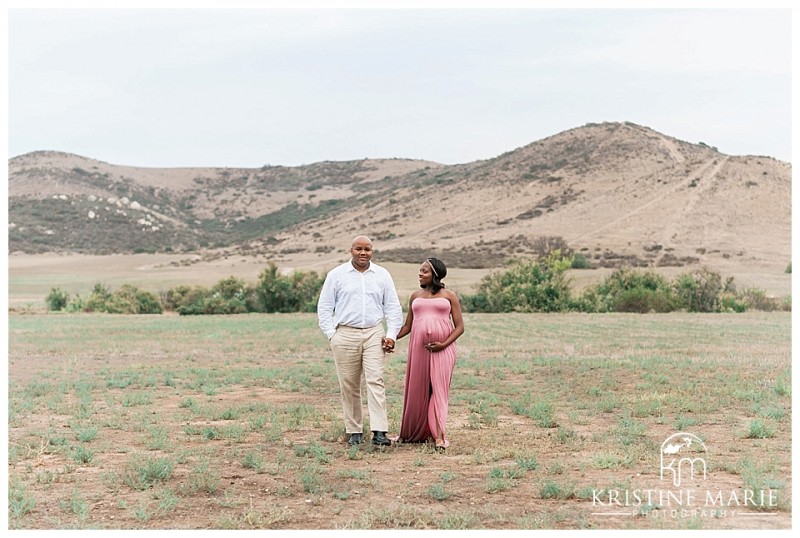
240 87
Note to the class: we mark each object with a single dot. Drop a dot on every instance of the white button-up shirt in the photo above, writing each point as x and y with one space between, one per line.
363 300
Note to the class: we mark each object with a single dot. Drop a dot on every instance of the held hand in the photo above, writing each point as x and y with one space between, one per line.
433 347
388 345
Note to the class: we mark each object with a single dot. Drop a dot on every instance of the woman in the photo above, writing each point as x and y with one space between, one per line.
434 321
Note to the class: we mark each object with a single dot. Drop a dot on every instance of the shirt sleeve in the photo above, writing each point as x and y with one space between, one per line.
325 306
392 309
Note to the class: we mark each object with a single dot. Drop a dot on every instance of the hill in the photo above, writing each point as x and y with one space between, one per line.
619 193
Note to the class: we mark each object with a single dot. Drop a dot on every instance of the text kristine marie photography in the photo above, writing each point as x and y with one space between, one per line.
685 489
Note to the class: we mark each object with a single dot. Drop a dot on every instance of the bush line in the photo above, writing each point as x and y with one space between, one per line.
525 286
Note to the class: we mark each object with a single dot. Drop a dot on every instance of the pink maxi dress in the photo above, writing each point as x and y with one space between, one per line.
428 374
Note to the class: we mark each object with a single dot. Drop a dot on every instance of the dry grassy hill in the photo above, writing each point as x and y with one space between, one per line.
617 192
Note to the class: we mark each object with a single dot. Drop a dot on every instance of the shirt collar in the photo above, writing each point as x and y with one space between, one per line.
371 267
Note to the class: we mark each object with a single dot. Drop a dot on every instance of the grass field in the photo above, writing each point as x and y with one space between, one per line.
167 422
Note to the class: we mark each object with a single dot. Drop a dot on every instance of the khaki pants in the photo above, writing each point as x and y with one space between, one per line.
358 351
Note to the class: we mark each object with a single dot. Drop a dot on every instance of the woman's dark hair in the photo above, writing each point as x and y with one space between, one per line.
439 272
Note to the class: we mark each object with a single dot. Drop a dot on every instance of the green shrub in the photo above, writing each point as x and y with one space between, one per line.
213 304
757 299
20 501
126 300
98 298
76 304
643 300
730 303
701 290
230 288
579 261
759 429
131 300
143 471
228 296
183 295
297 292
789 268
57 300
627 290
527 286
274 292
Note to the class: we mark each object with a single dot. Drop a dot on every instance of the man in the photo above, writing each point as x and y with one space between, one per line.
356 298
